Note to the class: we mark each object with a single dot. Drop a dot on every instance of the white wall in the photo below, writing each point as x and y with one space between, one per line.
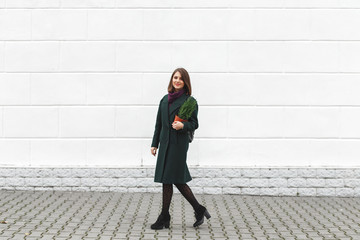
277 81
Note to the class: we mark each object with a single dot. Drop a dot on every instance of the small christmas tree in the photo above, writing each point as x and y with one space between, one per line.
186 109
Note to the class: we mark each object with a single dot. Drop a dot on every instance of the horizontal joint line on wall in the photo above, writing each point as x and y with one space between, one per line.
198 138
164 72
153 105
180 8
178 40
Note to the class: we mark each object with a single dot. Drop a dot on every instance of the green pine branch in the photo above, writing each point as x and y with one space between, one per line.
187 108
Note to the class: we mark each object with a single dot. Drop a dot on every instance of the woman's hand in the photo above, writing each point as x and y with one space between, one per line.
177 125
153 150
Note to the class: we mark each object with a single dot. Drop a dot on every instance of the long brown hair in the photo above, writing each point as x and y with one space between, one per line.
185 77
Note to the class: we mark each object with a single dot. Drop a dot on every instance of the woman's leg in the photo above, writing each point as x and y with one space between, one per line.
187 193
167 194
164 218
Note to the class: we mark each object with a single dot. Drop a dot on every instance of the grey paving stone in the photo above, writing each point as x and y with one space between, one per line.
108 215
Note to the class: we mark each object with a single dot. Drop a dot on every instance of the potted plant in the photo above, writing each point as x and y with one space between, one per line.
186 109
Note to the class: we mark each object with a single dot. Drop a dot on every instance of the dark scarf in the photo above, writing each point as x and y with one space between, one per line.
174 95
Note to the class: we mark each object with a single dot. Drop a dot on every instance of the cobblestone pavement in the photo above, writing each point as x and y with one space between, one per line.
111 215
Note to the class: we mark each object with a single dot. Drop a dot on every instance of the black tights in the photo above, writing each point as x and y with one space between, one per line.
184 190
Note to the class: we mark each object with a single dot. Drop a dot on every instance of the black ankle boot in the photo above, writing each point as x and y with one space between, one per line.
199 215
162 221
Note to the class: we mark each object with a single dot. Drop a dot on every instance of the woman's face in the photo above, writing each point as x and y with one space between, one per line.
177 81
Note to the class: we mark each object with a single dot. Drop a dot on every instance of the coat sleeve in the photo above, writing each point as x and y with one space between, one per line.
192 123
156 137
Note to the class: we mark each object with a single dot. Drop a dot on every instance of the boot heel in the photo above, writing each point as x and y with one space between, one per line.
167 224
207 215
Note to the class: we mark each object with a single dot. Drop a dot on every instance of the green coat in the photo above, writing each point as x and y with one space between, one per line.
171 164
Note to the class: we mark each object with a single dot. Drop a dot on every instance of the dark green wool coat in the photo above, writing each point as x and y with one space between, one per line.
171 164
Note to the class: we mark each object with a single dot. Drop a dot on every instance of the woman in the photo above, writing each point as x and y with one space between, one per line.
171 167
